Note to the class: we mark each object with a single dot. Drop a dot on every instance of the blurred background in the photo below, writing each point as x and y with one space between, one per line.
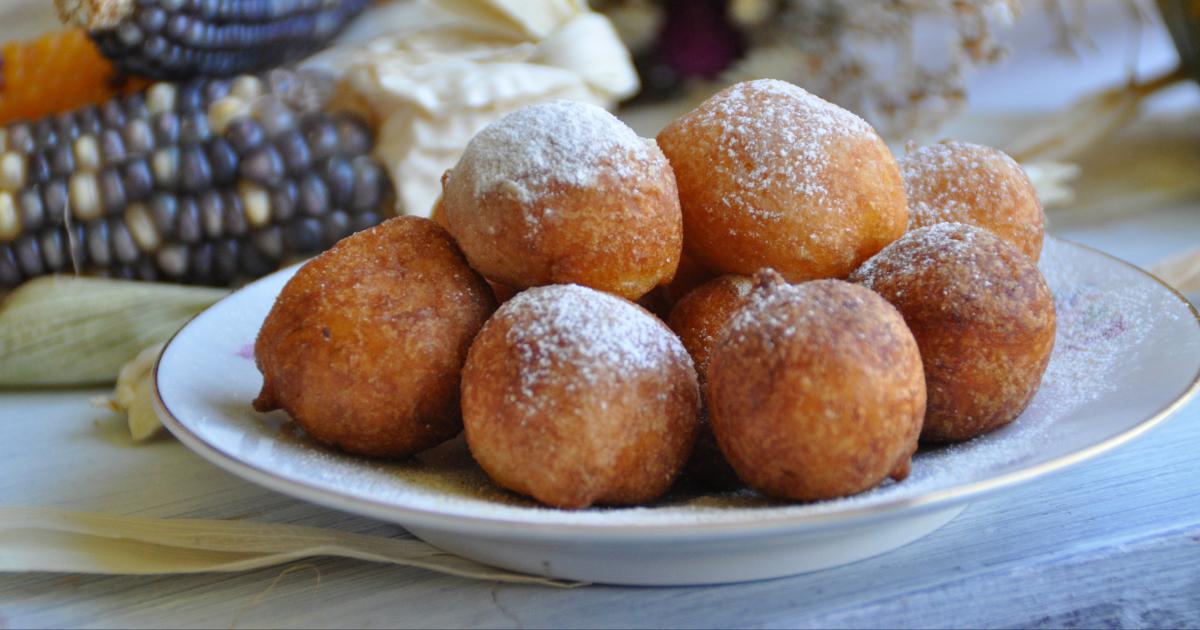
1097 99
1094 98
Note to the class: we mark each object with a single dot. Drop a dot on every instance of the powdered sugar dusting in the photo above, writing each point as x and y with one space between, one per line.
775 134
554 143
952 181
598 335
930 246
1105 315
766 314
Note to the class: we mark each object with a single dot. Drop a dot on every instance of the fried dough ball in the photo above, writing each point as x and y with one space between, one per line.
502 292
364 346
699 319
563 192
438 213
984 319
576 397
688 276
772 176
815 391
959 182
657 301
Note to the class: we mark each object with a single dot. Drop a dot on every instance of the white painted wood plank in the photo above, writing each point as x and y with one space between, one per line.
1129 513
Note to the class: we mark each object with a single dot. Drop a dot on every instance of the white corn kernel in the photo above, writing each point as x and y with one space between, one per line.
10 222
247 87
222 112
160 98
87 153
141 227
84 193
257 203
165 166
12 171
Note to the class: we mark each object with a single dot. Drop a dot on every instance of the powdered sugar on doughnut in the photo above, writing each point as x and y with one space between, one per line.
926 247
554 143
952 181
597 335
781 135
763 313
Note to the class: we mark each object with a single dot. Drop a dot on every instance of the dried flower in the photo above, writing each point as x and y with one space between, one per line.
902 64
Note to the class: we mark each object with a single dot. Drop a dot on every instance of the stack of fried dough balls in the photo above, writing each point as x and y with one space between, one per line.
811 341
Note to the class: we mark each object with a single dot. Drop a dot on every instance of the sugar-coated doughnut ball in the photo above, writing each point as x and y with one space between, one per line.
815 390
563 192
772 176
365 345
699 319
959 182
576 397
981 313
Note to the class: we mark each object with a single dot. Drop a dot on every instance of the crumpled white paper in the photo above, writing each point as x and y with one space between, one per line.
453 66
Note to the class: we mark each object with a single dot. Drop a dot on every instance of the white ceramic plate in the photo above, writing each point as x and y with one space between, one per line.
1126 357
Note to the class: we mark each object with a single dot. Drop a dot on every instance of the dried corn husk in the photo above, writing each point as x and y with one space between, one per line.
1052 181
134 395
39 539
454 66
67 330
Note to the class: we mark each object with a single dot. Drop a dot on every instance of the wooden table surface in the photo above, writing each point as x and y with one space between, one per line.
1111 543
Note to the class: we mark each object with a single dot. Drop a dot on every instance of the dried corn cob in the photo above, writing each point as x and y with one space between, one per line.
204 182
54 73
180 39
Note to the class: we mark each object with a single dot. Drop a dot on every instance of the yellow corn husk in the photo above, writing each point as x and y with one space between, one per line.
67 330
134 395
1052 181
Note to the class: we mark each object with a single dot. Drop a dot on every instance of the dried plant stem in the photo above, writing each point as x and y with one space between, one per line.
1089 120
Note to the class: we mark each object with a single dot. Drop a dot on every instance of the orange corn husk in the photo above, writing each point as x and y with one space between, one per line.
57 72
